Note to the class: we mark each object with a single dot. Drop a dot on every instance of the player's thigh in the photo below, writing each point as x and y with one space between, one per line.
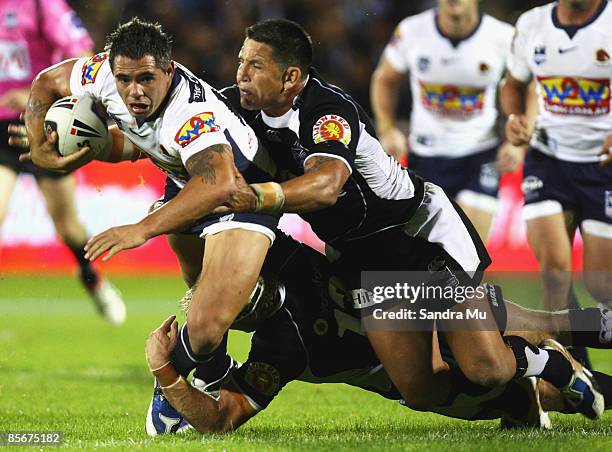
549 239
597 265
231 264
407 358
189 250
8 179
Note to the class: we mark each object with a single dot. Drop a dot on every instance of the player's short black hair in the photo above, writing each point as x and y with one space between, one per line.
291 44
136 39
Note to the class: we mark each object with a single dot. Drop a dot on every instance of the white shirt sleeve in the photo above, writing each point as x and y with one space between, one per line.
517 59
193 131
397 51
89 74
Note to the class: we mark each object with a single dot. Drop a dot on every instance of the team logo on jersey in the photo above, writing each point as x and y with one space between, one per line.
483 68
423 63
92 67
331 128
263 377
452 100
609 203
539 55
602 56
10 19
194 127
575 96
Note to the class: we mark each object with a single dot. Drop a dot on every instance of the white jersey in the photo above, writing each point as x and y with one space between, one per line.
194 118
453 84
572 68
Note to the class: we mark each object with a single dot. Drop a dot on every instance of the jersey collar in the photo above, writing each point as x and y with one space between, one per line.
456 41
571 30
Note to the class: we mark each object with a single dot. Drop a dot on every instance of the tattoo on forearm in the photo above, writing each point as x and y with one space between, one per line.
36 109
316 162
201 164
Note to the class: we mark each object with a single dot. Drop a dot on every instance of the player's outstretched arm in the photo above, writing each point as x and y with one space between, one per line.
212 182
203 412
50 85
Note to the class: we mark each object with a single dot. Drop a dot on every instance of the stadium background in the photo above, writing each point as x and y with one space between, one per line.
349 37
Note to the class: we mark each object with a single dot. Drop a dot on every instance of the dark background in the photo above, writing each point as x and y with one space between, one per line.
349 35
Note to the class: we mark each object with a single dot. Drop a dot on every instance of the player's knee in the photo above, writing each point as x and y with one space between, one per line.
487 369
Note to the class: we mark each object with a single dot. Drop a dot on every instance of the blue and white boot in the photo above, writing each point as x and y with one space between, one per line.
162 418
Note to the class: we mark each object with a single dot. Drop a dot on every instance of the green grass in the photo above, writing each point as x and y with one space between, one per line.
62 368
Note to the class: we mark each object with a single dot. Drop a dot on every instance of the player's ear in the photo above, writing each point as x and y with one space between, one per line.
291 77
170 69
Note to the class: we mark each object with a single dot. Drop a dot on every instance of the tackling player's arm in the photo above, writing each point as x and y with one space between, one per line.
213 177
203 412
317 188
384 89
206 414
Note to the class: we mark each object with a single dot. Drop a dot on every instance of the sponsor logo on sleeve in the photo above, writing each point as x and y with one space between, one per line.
575 95
92 67
196 126
331 128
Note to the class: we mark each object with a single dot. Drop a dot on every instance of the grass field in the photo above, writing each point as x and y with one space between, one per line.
63 369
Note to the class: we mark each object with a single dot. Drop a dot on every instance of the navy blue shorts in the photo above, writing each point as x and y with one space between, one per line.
211 224
582 188
476 172
9 156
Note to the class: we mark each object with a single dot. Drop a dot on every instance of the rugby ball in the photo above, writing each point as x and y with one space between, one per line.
79 122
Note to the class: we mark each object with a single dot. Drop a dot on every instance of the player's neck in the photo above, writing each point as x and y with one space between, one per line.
577 12
458 26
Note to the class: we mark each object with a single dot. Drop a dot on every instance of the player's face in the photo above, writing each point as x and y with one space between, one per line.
258 77
579 5
457 7
141 84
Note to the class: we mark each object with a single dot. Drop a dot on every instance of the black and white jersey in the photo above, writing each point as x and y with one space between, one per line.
314 337
325 121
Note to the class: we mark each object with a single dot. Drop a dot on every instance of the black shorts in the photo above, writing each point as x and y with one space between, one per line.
9 156
258 222
582 188
475 173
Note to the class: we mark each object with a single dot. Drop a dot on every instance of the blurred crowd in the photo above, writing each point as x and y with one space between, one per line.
349 35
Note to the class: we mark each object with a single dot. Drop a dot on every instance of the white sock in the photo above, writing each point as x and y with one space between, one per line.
535 362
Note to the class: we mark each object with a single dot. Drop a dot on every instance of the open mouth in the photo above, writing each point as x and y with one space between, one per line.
138 108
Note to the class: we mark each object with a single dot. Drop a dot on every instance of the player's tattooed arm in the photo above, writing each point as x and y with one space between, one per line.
36 109
202 164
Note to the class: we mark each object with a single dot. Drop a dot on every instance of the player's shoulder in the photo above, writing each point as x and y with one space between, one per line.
492 24
320 94
533 18
497 31
415 25
94 69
